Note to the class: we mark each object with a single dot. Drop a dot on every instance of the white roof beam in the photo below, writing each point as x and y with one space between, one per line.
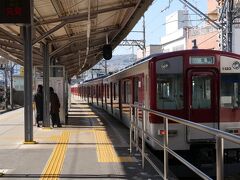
49 32
95 31
88 33
13 37
10 57
84 16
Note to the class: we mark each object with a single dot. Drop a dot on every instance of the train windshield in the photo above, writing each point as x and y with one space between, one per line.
230 90
169 83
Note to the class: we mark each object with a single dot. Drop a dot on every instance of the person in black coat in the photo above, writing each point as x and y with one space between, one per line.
38 98
55 106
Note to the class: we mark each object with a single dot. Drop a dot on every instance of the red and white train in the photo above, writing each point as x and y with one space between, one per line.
199 85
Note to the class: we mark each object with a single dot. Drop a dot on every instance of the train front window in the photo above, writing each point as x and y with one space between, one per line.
169 83
201 92
230 90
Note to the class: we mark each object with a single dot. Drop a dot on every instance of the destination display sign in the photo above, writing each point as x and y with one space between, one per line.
15 11
202 60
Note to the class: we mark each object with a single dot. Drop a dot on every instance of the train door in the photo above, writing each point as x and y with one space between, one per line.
138 92
88 94
92 93
97 94
120 93
126 99
111 96
135 90
102 93
106 95
202 103
138 89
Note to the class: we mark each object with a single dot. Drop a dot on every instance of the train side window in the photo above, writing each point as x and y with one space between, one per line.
91 90
230 90
100 91
135 89
127 92
115 91
107 86
97 92
169 83
104 91
123 100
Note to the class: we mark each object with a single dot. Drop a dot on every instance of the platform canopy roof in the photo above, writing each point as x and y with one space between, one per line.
75 30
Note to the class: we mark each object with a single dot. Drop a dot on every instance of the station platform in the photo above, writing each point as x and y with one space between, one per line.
93 145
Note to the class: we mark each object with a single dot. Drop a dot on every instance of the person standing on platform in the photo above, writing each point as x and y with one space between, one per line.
38 98
55 106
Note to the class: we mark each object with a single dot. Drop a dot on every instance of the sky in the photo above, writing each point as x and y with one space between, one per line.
155 22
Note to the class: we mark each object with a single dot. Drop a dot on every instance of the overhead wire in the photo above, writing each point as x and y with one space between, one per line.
170 1
208 38
167 7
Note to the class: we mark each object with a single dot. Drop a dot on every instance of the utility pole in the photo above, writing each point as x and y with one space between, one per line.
144 37
229 16
229 24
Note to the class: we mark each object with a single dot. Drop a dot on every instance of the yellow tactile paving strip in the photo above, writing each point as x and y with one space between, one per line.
54 165
54 138
105 149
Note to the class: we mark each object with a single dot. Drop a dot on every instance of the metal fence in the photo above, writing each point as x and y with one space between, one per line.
219 135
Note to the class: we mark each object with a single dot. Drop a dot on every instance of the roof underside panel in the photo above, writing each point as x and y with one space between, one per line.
75 30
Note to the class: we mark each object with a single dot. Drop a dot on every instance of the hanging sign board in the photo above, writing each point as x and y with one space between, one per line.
15 11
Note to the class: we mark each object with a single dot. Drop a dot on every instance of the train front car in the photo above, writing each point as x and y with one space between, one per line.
199 85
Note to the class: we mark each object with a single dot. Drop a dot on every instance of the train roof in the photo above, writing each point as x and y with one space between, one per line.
159 55
148 58
198 51
174 53
129 66
97 78
144 59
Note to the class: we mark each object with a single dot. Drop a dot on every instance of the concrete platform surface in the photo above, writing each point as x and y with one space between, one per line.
92 146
